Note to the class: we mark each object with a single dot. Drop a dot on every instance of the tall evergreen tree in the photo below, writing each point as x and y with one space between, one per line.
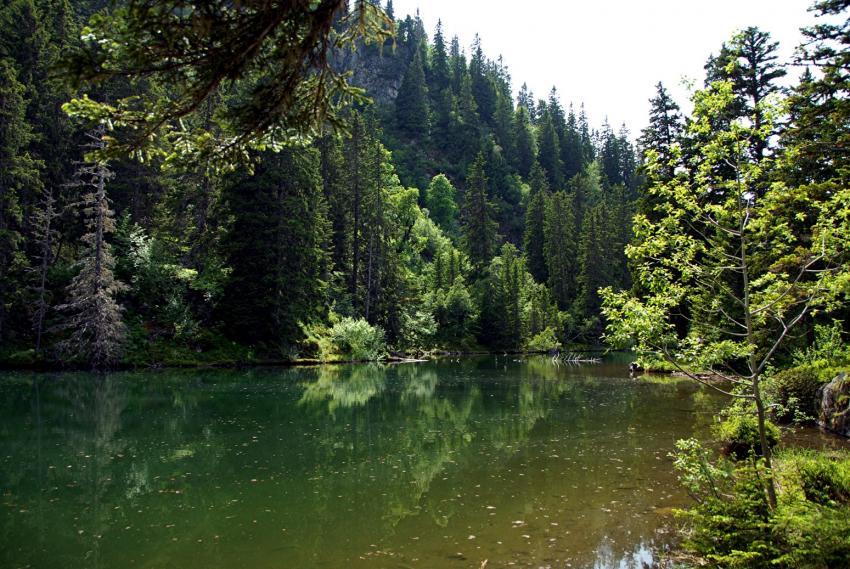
440 77
19 174
549 150
478 224
481 84
664 130
559 246
534 237
818 136
411 104
526 147
94 327
276 248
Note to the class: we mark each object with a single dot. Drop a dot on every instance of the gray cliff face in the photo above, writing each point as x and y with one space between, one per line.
835 405
378 71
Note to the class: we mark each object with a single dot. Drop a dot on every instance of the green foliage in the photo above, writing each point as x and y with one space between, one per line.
441 204
543 341
794 392
740 435
828 348
352 339
194 49
731 525
478 225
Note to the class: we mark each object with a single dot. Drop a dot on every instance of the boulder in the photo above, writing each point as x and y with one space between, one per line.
835 405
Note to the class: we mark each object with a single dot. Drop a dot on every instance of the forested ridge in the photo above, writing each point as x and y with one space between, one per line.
450 216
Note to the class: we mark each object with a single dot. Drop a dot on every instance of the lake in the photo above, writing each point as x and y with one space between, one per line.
493 461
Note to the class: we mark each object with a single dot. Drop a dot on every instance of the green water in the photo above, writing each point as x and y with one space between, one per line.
439 464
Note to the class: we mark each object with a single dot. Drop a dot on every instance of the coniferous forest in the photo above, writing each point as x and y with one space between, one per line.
449 216
188 183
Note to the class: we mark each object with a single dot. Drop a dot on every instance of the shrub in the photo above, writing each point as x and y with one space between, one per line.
731 524
795 392
543 341
740 435
827 349
353 340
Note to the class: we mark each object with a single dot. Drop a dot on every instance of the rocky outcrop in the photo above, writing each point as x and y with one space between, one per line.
835 405
377 70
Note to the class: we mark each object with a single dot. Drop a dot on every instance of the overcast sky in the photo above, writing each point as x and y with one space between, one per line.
609 54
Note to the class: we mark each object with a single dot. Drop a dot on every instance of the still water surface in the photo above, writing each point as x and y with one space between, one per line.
438 464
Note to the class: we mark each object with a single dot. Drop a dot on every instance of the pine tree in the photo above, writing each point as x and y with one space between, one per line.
478 225
96 332
411 104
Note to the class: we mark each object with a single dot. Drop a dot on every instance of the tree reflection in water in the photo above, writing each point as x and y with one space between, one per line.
342 465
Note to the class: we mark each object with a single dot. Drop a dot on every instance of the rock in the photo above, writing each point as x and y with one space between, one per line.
835 405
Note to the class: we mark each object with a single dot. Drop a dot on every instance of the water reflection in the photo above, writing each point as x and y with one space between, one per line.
437 464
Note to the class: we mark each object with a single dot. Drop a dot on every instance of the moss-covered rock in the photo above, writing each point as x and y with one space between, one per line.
740 435
835 405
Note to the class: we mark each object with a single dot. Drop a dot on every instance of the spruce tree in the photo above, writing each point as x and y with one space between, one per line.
572 154
549 150
94 327
481 85
411 104
440 77
277 250
534 237
19 175
817 136
478 225
663 132
559 247
526 147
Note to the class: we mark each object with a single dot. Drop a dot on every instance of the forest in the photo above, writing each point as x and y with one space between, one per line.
219 183
450 217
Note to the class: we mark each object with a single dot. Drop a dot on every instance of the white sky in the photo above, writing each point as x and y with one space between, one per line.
609 54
